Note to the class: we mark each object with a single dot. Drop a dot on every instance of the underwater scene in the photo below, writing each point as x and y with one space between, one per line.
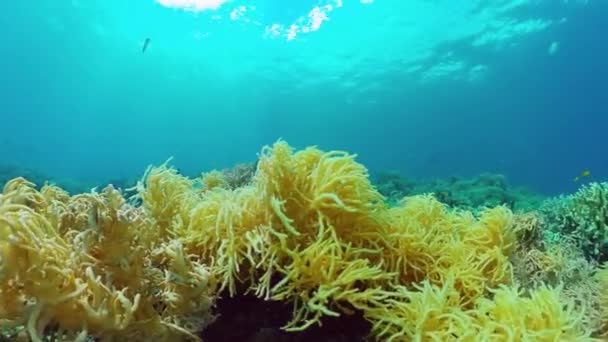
304 170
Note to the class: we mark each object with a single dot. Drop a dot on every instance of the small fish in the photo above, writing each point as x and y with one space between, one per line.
146 43
553 48
585 173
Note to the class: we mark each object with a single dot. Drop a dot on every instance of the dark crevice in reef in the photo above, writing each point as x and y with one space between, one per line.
251 319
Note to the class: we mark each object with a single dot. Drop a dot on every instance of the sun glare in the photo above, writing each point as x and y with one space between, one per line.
193 5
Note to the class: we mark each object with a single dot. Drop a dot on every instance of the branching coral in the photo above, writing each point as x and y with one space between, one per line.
602 278
483 191
540 260
583 217
239 175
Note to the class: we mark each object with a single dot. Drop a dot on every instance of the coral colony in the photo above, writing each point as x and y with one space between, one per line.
305 228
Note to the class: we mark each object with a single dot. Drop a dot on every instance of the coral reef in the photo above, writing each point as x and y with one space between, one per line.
240 174
10 171
542 258
237 176
583 217
306 230
486 190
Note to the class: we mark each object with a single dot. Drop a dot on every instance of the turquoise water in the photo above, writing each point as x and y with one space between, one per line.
428 88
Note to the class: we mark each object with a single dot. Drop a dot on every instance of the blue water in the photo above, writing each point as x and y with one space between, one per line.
428 88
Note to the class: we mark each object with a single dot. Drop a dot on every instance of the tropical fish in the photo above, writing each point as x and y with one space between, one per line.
146 43
585 173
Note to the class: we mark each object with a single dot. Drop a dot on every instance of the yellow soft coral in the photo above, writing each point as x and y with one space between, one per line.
217 230
427 313
166 196
432 313
309 184
543 316
101 277
323 273
212 180
309 229
290 195
425 241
